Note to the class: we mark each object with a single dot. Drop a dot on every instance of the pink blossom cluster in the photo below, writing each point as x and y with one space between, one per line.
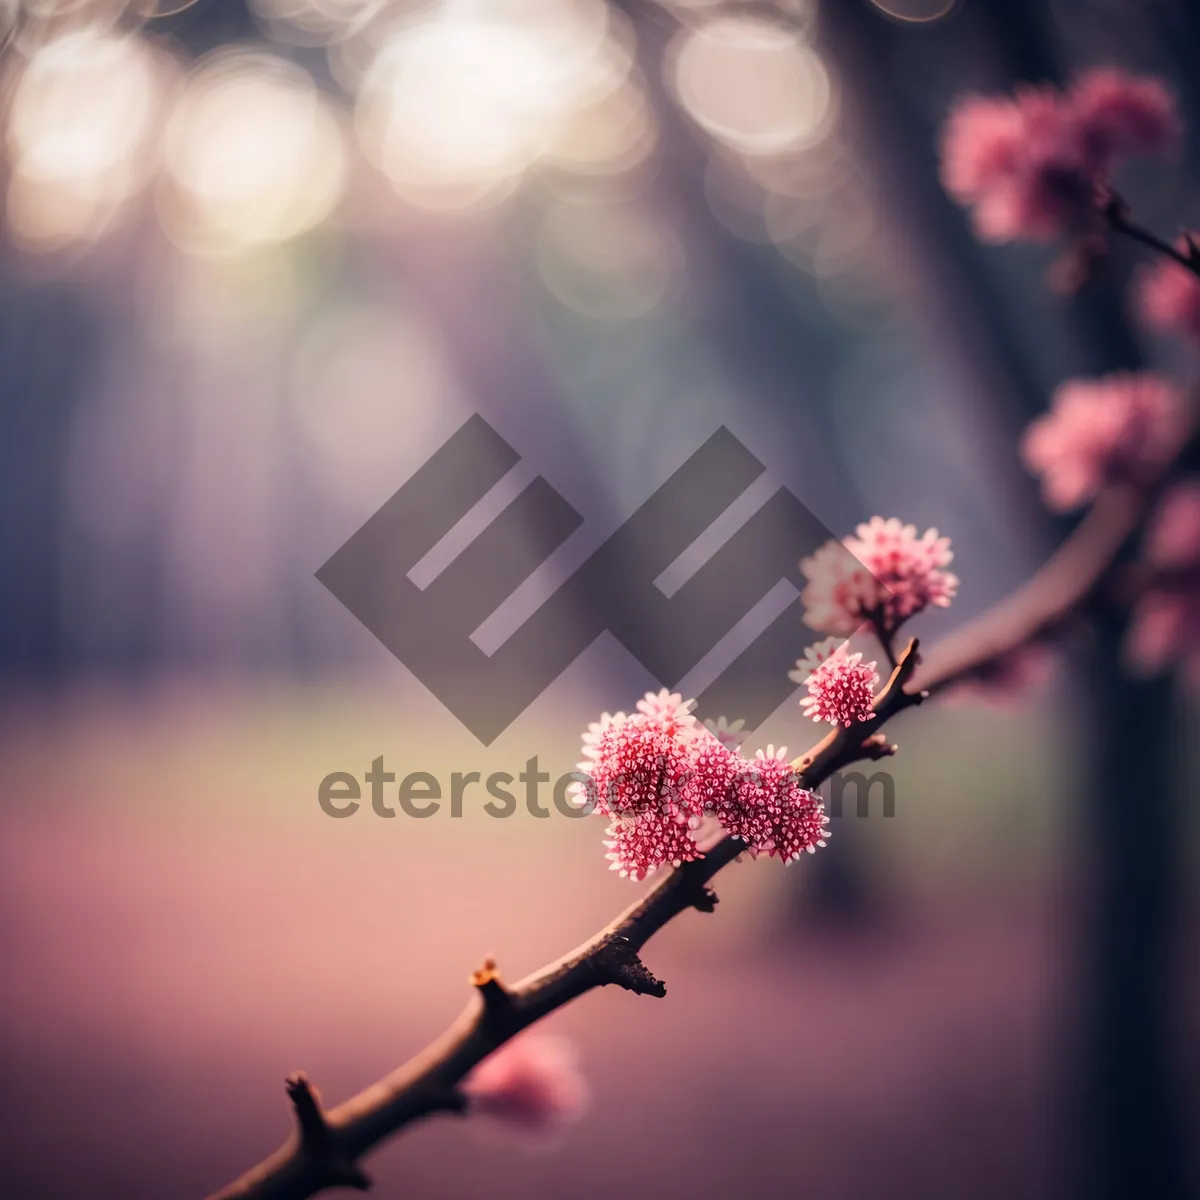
532 1085
1167 295
884 572
658 773
1166 619
1124 427
770 811
841 687
1029 164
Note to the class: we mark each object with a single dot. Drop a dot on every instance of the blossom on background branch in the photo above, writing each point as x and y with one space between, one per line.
1124 428
1029 164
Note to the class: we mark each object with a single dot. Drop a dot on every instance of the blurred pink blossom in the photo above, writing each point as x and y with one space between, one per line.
1021 162
1164 630
890 570
728 733
841 687
1124 115
1173 534
532 1085
1029 164
1167 296
840 591
1165 625
1122 427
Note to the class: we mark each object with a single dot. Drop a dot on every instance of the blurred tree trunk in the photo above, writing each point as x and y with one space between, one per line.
1126 1108
1132 1140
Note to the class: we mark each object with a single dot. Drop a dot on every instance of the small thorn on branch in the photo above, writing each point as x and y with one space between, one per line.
317 1141
706 899
306 1103
497 998
619 963
877 746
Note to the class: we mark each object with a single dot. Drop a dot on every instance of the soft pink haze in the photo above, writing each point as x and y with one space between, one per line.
531 1085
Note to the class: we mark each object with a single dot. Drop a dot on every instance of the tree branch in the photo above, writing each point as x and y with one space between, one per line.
327 1145
1116 214
1074 577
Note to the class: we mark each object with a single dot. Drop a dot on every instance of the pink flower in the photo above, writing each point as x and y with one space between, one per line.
1122 427
1122 115
1165 626
1164 630
532 1084
729 734
633 761
639 844
655 774
1021 162
895 574
840 591
660 778
841 687
771 812
1173 535
909 569
671 706
1167 296
1029 163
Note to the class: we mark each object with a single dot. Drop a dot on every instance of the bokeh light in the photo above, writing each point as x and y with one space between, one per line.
917 12
612 262
753 85
367 381
314 22
253 155
614 135
456 105
79 135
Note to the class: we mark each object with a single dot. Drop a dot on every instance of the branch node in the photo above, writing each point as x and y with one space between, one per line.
317 1142
877 746
619 963
306 1104
706 899
497 999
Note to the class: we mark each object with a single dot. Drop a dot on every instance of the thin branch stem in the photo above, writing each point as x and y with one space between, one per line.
1117 216
1072 580
884 638
310 1162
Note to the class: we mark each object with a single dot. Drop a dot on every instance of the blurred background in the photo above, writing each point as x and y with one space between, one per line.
259 260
